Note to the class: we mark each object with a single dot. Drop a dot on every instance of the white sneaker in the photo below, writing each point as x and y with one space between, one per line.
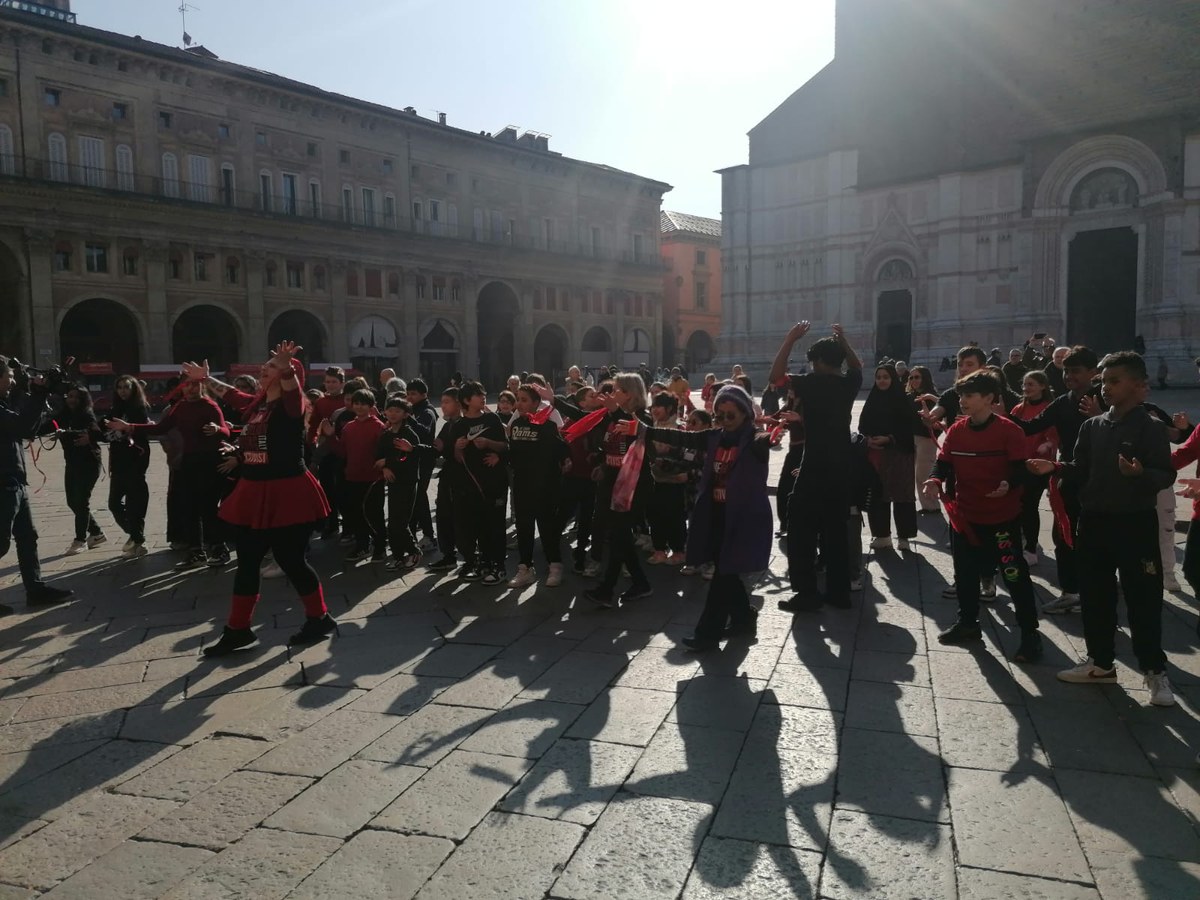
987 588
271 570
134 552
129 545
1031 557
76 548
1171 584
1087 672
95 540
1065 603
904 545
882 543
554 575
1160 689
525 576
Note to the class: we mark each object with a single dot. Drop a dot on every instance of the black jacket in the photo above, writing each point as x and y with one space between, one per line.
21 416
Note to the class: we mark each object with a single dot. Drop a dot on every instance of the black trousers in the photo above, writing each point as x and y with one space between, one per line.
728 603
479 525
200 487
362 511
668 516
422 515
79 481
622 552
817 514
787 481
1031 523
879 515
401 498
577 497
538 504
16 524
445 518
331 474
288 545
998 549
1066 557
1124 545
128 500
1191 557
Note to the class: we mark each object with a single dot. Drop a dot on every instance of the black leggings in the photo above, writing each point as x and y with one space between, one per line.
288 545
401 496
577 498
1030 521
538 503
80 479
128 498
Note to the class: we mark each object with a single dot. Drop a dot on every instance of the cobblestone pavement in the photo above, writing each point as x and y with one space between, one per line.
459 741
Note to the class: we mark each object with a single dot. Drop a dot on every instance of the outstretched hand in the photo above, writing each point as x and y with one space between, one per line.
281 357
1130 467
195 371
1039 466
799 330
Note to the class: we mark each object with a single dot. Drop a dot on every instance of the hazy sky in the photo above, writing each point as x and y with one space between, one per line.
664 89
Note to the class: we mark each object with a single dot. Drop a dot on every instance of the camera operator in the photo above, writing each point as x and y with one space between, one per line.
79 435
22 409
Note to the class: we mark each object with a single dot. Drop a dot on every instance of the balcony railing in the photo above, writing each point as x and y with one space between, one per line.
39 9
282 206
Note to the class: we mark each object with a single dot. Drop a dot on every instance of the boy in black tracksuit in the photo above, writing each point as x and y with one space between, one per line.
1122 460
536 454
399 454
423 420
449 481
478 440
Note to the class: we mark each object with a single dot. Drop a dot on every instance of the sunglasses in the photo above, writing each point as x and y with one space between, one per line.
725 417
914 377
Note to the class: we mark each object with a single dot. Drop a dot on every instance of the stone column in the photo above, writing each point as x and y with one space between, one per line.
39 320
409 343
158 331
256 325
338 334
523 333
656 354
619 345
469 361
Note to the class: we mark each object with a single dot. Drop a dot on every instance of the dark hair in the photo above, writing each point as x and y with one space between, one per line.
335 372
1040 377
355 384
535 378
137 394
397 402
580 395
1081 357
828 351
507 395
451 392
969 351
418 385
667 400
606 387
469 389
927 384
530 390
982 382
363 396
85 396
703 415
1129 361
313 394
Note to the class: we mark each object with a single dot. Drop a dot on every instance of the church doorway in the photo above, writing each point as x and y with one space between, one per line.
893 325
1102 289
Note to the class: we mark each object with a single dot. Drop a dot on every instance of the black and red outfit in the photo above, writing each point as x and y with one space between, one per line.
620 433
405 466
536 451
82 467
128 460
273 507
481 494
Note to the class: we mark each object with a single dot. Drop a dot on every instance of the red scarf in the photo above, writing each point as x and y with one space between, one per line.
631 470
580 427
957 522
1062 521
540 416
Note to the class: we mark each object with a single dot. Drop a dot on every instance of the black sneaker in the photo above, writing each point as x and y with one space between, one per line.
837 601
379 557
217 558
961 633
601 598
45 595
358 554
445 564
194 560
231 639
637 593
748 627
492 576
468 572
802 603
1030 650
314 629
701 645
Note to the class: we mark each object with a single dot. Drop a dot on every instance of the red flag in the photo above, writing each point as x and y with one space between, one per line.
580 427
627 478
1058 507
957 522
540 416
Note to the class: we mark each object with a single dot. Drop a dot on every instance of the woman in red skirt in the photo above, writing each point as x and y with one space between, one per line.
277 501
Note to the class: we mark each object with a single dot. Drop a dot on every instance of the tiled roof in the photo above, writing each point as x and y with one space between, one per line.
674 221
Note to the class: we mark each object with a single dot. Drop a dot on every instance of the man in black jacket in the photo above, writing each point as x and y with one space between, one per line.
21 414
423 420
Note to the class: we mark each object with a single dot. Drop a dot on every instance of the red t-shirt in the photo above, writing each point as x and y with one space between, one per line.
323 408
723 461
359 439
982 458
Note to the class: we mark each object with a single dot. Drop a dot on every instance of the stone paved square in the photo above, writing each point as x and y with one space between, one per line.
470 742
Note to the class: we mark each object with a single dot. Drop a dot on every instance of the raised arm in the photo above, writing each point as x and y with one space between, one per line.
852 360
779 367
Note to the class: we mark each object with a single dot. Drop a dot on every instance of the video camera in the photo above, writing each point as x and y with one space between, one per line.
56 380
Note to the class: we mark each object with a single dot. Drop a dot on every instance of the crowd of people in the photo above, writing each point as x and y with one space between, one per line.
614 474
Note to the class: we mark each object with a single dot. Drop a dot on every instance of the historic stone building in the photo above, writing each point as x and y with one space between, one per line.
162 204
691 252
967 171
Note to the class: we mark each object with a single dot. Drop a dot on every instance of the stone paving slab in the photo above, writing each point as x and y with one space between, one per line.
462 741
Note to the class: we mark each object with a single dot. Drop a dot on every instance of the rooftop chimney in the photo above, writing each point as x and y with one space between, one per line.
441 118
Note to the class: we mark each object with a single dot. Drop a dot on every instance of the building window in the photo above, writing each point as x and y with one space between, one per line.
228 184
231 270
537 298
3 87
129 262
126 180
314 199
637 247
47 46
318 278
551 299
374 282
53 97
170 175
368 206
264 191
597 241
419 287
701 257
290 200
95 257
451 180
416 210
199 179
435 210
260 138
174 266
414 171
295 275
91 161
455 291
393 284
164 120
311 149
57 148
352 282
62 257
270 273
223 131
387 167
344 157
389 210
202 265
439 289
701 295
120 111
347 204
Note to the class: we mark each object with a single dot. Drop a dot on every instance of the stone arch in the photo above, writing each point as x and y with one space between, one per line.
637 349
1107 151
550 348
596 350
440 351
305 329
700 350
497 309
374 344
205 330
100 329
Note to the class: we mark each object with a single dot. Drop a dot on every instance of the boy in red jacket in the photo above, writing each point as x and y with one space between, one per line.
980 468
363 486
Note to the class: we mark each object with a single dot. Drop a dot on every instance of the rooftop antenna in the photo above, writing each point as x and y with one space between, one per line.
183 11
